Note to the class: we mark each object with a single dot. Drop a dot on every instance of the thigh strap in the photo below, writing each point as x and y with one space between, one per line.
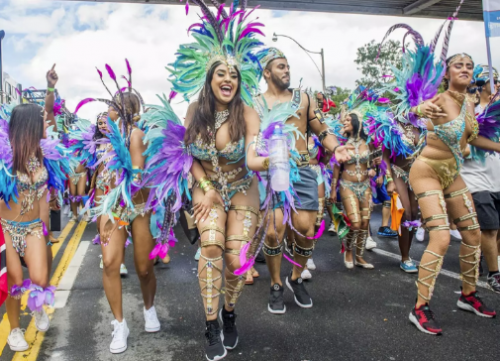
456 193
302 251
272 251
244 208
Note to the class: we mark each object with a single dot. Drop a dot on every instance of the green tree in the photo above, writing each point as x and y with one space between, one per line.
374 69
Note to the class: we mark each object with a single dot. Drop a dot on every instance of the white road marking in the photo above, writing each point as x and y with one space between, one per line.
443 271
68 280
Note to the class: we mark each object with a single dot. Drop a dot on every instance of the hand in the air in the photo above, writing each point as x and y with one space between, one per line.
52 77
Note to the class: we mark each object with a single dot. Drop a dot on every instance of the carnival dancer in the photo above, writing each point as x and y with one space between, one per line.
215 145
307 118
122 208
435 175
32 164
77 183
481 173
354 177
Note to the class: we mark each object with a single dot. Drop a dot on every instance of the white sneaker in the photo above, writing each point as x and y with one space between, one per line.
42 322
310 265
123 270
331 229
16 340
498 262
120 335
152 323
306 275
370 243
101 264
198 254
455 233
420 234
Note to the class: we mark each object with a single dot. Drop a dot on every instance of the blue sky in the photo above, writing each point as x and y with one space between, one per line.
81 35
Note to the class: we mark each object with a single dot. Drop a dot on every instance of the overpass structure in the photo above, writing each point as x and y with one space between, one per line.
471 9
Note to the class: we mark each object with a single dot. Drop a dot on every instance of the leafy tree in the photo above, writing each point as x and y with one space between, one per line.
374 69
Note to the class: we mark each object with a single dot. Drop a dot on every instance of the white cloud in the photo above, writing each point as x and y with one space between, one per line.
80 36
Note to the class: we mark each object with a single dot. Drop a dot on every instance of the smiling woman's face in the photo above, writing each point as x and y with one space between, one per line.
224 83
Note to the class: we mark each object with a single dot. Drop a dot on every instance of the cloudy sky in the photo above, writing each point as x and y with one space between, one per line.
78 36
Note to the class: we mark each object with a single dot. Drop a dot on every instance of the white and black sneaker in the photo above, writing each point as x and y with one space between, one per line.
229 330
215 349
301 296
276 304
494 282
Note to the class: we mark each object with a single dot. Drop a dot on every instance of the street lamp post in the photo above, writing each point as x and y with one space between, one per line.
321 52
2 35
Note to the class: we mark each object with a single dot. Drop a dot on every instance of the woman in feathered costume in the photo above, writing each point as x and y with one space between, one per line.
122 207
435 177
354 176
33 163
215 146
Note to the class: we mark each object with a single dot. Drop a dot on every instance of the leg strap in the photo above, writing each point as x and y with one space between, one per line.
233 292
473 272
321 208
350 239
354 206
213 228
361 242
387 204
456 193
301 251
209 282
272 251
434 272
368 210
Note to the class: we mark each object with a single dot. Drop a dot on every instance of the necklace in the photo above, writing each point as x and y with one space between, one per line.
460 99
33 163
357 172
220 118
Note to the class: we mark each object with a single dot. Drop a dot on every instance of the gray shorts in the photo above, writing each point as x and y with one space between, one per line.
307 190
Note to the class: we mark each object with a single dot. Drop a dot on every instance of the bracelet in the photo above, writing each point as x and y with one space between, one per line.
50 90
205 184
265 163
389 179
335 149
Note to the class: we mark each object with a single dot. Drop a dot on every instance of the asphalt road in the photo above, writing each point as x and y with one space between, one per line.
357 315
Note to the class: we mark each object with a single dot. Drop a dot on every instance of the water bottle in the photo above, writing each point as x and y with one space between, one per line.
279 167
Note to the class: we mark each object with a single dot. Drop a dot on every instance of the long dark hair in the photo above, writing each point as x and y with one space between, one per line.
25 132
97 133
356 124
204 113
446 82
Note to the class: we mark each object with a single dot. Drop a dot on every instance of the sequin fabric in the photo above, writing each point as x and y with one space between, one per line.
19 230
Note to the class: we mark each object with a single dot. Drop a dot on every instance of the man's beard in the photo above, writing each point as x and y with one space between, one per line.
279 82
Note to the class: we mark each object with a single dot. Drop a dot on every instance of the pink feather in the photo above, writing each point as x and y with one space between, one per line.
291 260
129 69
187 7
82 103
384 100
110 72
100 73
320 231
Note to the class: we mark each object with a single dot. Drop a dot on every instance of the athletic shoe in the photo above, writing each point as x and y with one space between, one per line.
370 243
215 349
152 324
101 264
494 282
120 335
331 229
16 340
387 232
473 303
42 322
73 218
408 266
198 254
310 264
276 304
423 318
300 294
455 233
229 330
420 234
306 275
123 270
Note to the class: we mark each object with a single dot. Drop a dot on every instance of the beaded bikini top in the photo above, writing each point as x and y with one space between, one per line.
33 189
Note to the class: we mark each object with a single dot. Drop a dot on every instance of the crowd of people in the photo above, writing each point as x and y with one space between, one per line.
416 145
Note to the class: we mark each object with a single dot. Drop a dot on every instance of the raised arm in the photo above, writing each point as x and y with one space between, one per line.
52 79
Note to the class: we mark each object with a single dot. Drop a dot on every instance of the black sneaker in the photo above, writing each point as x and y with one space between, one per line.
229 330
423 318
473 303
300 294
215 349
260 258
276 304
494 282
387 232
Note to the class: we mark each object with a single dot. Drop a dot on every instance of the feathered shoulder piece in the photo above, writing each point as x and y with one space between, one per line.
55 160
8 189
82 144
221 36
334 123
421 71
489 127
168 161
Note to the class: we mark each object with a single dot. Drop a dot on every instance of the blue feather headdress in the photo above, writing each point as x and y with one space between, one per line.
226 37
